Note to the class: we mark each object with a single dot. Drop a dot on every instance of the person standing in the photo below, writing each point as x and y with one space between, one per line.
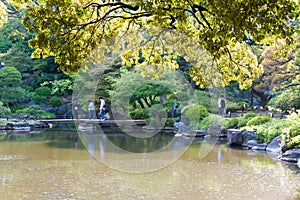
76 108
102 108
2 65
91 109
175 108
222 105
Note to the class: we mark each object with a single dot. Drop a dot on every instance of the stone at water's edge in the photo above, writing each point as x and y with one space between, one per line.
250 144
292 155
260 147
214 130
234 137
274 145
248 135
2 127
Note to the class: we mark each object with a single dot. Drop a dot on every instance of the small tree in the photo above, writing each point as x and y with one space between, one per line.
42 94
3 110
10 83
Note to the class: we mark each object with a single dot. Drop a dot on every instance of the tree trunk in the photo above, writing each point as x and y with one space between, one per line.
146 101
263 97
141 104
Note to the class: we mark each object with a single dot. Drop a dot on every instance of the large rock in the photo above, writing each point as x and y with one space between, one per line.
260 147
214 130
239 138
64 111
292 155
248 135
234 137
274 146
180 127
250 144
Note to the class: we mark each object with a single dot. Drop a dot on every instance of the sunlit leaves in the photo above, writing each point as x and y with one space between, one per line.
70 31
238 64
280 69
3 13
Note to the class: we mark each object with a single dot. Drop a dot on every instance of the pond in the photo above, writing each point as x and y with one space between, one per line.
61 165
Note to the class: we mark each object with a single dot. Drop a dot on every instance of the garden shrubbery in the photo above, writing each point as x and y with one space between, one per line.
232 106
238 122
232 123
209 120
42 94
292 138
4 110
18 107
55 101
258 120
242 122
195 113
266 132
139 114
204 99
249 116
34 111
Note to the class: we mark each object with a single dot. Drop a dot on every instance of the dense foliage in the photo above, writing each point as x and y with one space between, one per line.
71 30
194 113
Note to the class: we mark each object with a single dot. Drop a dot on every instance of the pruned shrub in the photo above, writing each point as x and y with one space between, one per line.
4 110
266 132
209 120
249 116
232 106
242 122
232 123
292 138
42 94
294 131
294 142
31 112
194 112
18 107
139 114
55 101
259 120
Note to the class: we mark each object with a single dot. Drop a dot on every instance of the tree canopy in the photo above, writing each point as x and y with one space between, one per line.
11 91
70 30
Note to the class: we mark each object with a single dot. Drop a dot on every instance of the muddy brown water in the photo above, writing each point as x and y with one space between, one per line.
53 165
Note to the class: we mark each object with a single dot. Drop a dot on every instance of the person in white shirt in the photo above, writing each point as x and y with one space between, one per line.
102 108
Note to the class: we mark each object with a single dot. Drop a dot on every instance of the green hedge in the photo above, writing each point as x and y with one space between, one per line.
292 138
209 120
42 94
4 110
242 122
55 101
258 120
249 116
139 113
195 113
31 112
232 123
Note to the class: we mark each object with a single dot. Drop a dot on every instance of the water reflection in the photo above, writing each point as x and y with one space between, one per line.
127 153
33 169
